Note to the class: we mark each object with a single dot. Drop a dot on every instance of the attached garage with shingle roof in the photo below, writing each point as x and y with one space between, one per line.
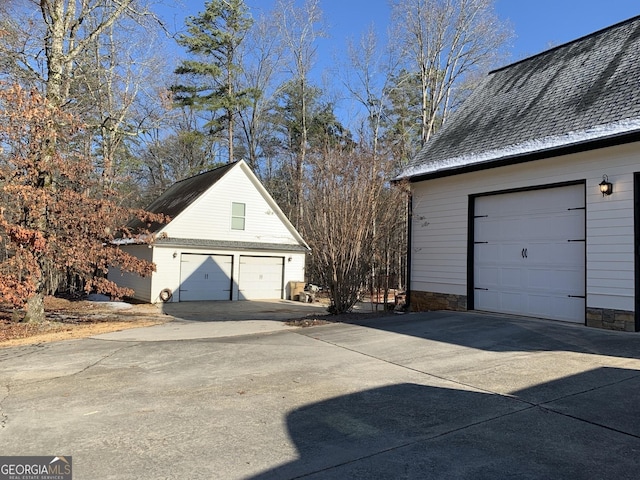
507 210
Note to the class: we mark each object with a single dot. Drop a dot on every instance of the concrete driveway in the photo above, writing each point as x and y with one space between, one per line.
193 320
430 395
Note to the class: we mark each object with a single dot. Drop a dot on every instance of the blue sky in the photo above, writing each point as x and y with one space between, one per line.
537 24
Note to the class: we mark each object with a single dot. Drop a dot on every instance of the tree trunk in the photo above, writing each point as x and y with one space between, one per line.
34 309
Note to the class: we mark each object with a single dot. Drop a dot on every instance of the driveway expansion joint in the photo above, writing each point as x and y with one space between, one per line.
422 372
545 406
100 360
415 441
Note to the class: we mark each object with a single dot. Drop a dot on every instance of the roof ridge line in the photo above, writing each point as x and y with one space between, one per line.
207 171
557 47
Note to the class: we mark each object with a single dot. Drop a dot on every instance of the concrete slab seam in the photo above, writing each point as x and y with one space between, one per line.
439 377
590 422
79 371
549 408
417 440
460 429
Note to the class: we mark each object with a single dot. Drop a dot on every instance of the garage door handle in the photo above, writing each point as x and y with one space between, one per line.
524 253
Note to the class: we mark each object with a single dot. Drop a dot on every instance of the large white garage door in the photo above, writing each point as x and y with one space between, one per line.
205 277
260 277
529 253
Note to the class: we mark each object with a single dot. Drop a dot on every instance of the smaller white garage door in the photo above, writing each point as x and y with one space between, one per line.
260 277
529 253
205 277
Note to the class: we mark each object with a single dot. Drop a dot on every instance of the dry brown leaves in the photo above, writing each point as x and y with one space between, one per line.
75 319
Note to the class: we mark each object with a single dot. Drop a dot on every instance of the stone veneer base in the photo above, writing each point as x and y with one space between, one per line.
425 301
607 319
621 320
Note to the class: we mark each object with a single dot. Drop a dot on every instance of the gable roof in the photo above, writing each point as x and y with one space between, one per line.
180 195
577 96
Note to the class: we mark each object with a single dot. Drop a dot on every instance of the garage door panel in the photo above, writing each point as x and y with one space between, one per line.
511 302
529 246
205 277
568 282
555 254
485 300
557 308
512 278
570 223
260 278
556 227
487 277
510 253
489 252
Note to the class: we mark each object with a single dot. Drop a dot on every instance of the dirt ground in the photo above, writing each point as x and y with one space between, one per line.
69 319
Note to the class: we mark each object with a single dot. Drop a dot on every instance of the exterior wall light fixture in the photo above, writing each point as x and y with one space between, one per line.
605 186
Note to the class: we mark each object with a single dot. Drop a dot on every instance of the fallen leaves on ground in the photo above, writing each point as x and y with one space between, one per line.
70 319
349 317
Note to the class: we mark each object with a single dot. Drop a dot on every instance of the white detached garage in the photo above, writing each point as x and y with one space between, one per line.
527 201
227 240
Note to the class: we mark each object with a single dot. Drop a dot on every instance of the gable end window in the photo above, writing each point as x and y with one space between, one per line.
238 211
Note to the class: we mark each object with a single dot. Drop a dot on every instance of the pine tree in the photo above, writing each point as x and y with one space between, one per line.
213 38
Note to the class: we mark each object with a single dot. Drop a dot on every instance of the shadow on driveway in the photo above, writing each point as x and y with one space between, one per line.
416 431
281 310
508 334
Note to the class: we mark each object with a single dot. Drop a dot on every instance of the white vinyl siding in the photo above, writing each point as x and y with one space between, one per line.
440 221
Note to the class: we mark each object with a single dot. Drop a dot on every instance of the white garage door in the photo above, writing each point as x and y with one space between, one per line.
205 277
260 277
529 253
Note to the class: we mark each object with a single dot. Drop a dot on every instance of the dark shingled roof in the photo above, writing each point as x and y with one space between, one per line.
180 195
543 103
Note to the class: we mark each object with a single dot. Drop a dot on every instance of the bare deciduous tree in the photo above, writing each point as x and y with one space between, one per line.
367 80
300 28
117 81
346 191
67 36
445 41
